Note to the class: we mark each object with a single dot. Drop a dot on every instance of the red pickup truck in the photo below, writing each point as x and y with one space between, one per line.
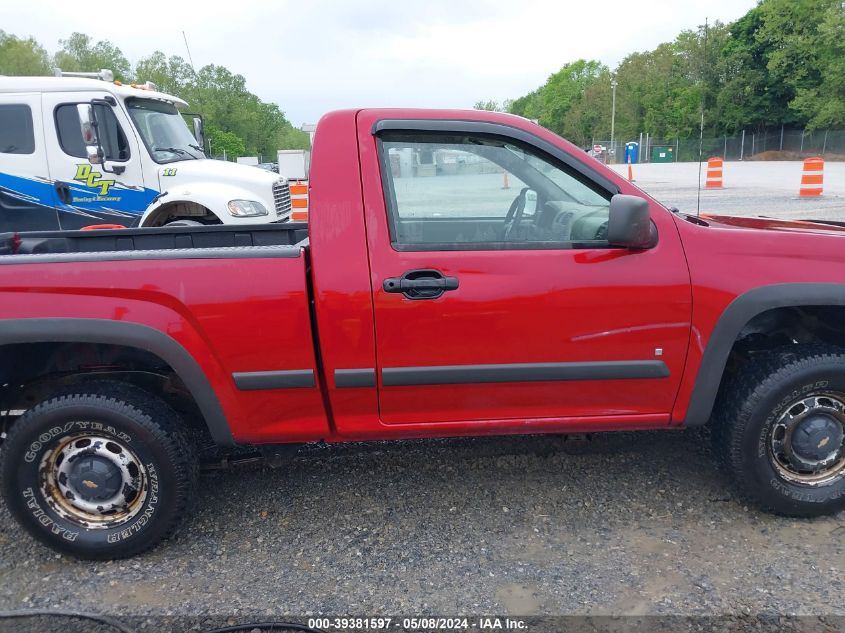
462 273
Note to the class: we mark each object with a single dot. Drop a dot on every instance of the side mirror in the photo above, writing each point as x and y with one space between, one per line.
199 134
629 224
90 136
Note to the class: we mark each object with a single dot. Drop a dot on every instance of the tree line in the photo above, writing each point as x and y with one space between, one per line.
781 64
236 120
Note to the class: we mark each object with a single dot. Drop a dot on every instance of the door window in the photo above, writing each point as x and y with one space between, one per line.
464 192
113 139
16 133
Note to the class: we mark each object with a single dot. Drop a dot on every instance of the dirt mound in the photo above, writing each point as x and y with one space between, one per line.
784 155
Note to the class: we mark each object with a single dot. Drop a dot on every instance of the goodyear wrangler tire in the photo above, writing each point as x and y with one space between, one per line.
100 472
780 430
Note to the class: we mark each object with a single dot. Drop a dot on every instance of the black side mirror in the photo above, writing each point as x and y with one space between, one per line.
629 225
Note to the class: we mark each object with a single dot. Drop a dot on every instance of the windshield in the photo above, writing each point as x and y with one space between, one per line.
164 131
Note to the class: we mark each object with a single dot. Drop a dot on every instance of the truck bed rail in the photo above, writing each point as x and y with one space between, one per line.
153 239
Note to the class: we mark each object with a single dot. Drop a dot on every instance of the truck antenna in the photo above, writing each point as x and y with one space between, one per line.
701 127
187 48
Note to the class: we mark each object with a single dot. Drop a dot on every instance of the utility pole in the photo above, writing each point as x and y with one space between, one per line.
701 128
613 85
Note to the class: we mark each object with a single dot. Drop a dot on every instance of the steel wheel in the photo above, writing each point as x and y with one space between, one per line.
807 443
93 481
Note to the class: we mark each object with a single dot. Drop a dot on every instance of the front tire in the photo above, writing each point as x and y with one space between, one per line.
184 222
103 471
779 429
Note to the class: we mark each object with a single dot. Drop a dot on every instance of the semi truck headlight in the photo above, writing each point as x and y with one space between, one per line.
246 208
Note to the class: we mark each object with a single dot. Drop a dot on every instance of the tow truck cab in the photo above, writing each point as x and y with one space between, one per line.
81 150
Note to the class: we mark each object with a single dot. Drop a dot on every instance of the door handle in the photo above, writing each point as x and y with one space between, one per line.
63 192
420 284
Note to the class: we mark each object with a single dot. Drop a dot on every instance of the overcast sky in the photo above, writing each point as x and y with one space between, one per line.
311 57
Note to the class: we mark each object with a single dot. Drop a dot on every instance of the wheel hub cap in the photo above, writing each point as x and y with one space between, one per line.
94 478
817 438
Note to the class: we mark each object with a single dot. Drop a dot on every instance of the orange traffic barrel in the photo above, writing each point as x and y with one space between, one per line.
812 178
714 173
299 201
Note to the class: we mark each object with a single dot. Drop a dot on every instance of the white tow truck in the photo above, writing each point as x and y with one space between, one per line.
82 149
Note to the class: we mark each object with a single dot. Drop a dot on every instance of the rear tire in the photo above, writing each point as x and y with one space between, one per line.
102 471
779 429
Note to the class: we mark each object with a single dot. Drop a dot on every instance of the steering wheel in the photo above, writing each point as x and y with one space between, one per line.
514 216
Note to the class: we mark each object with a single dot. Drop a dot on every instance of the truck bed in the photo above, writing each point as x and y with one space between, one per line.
290 234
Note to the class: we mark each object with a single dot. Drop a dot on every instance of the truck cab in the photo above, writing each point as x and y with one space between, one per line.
138 165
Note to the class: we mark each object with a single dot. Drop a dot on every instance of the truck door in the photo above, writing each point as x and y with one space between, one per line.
89 194
496 294
26 194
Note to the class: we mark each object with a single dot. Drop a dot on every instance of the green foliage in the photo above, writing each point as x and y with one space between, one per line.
226 104
489 105
227 142
292 138
557 103
782 63
20 57
807 40
80 54
172 75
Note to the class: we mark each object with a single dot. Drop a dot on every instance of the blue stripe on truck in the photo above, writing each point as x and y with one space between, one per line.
118 199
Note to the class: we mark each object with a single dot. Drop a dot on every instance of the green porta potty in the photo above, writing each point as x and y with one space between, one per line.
662 154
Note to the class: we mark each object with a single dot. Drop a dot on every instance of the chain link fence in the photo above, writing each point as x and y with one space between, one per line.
771 144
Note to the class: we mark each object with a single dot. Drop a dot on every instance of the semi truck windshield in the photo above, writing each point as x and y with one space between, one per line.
164 131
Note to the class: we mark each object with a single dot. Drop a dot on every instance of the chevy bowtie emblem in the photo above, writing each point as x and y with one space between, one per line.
89 483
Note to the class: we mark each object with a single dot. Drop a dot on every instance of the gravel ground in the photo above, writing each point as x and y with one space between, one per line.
751 188
634 524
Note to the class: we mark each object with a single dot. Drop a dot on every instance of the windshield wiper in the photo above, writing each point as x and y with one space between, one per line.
196 147
175 150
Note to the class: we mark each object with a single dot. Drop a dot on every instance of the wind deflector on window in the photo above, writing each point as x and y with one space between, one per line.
460 126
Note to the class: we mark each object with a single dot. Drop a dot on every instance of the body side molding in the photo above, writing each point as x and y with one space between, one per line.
71 330
286 379
739 312
364 377
523 372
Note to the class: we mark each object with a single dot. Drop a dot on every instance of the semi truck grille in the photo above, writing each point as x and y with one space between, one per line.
281 196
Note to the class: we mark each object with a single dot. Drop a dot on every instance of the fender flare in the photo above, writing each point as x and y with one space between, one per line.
72 330
213 196
738 313
161 201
